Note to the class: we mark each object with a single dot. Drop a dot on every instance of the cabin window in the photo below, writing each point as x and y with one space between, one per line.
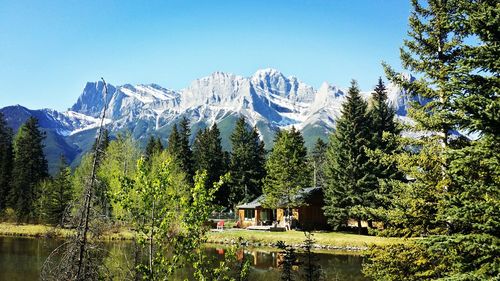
249 215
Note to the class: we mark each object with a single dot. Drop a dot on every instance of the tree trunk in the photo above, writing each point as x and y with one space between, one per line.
359 226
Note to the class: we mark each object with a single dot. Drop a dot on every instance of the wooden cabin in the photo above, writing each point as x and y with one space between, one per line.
306 215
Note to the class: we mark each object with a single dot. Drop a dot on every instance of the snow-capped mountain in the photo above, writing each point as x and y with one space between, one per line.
267 96
268 100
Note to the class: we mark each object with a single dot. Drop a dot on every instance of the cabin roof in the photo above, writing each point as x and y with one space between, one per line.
257 202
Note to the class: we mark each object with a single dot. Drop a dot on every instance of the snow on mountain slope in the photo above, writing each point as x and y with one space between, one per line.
267 99
267 96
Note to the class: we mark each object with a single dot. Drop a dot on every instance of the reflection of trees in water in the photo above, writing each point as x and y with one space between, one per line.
334 266
20 259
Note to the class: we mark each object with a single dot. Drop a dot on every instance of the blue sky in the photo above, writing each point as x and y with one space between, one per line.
50 49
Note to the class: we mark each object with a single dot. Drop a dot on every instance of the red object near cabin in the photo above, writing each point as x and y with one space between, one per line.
220 225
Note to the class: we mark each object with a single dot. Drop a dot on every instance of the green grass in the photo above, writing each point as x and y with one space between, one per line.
32 230
336 239
40 230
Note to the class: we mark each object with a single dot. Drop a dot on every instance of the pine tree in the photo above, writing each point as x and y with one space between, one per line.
318 158
434 50
178 146
247 163
29 169
209 157
382 118
461 77
154 146
60 194
5 161
287 171
159 145
349 181
472 198
383 147
101 151
174 141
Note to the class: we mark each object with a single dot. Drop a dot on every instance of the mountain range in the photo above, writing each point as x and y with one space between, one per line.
268 100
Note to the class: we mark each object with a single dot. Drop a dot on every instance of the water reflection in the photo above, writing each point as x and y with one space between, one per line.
22 259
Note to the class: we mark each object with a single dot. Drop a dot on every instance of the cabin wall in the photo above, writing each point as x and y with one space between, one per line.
312 217
280 216
246 223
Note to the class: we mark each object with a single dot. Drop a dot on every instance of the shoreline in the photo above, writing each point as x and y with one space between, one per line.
325 241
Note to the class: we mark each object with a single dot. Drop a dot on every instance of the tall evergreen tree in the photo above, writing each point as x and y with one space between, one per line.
287 171
60 194
383 147
178 146
461 77
434 50
101 150
209 157
30 168
318 158
472 200
5 161
247 163
349 181
174 141
154 146
382 118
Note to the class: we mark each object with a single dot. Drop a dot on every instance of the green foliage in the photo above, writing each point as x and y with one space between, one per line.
29 169
432 50
178 147
350 185
318 160
55 195
454 182
80 176
246 163
153 146
169 216
101 150
290 260
476 86
287 169
415 204
43 189
472 201
457 257
383 149
154 199
120 161
311 270
5 161
209 157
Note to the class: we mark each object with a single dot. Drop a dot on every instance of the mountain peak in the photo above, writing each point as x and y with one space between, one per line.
268 72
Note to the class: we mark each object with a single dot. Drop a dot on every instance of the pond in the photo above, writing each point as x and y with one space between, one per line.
22 258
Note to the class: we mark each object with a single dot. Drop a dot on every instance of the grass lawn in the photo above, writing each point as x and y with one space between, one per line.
40 230
32 230
338 239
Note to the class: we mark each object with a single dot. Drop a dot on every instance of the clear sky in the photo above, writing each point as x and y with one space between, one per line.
50 49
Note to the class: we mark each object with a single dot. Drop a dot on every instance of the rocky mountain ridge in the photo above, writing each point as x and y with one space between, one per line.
268 100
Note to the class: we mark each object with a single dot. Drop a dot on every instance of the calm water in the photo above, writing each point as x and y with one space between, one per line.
22 258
